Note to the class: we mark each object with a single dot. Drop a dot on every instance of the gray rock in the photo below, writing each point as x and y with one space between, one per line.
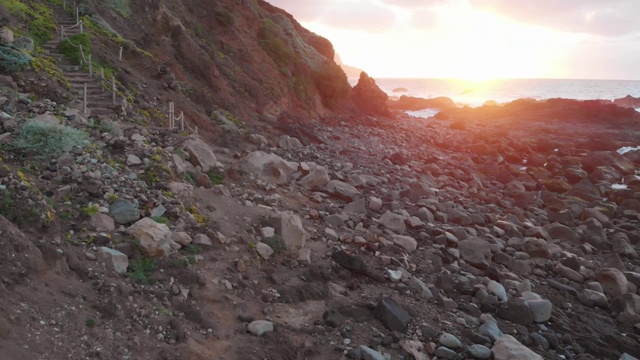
6 36
291 231
490 328
260 327
480 351
356 207
449 341
420 287
289 143
375 204
115 258
613 281
445 353
124 211
406 242
133 160
540 309
393 316
508 348
200 154
393 222
47 119
498 290
476 252
516 311
626 356
202 239
316 179
343 191
181 238
593 298
268 167
265 251
102 222
368 353
155 239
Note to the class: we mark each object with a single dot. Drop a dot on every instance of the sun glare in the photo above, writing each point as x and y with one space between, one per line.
463 43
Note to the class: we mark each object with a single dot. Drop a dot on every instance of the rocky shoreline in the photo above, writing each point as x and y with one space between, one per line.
368 239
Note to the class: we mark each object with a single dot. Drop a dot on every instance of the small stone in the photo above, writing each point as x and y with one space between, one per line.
449 341
375 204
264 250
393 316
304 256
498 290
118 260
508 348
133 160
202 239
370 354
541 310
260 327
480 351
445 353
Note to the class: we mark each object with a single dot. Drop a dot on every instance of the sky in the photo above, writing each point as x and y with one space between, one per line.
479 39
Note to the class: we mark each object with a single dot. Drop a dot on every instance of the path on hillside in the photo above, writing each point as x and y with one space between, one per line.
99 100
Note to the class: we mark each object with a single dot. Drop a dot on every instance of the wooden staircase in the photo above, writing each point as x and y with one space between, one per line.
99 101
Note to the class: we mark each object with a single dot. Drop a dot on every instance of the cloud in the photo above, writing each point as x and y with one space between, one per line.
365 15
597 17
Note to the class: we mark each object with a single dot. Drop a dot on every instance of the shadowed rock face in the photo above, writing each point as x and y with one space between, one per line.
368 96
412 103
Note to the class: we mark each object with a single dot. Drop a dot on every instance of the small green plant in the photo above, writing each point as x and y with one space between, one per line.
274 45
90 209
70 48
91 322
200 219
215 177
47 140
193 249
190 176
276 244
141 269
160 219
119 6
6 204
178 263
163 311
12 60
224 17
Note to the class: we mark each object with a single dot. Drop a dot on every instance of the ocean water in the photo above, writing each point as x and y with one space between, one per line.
476 93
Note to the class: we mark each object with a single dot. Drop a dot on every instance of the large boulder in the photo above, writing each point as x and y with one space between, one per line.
368 96
476 252
393 222
154 238
317 178
342 190
267 167
124 211
613 282
200 154
289 227
585 190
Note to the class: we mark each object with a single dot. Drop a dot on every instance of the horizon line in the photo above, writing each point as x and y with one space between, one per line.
491 79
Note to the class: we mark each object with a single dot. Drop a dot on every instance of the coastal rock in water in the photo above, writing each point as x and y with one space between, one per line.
368 96
411 103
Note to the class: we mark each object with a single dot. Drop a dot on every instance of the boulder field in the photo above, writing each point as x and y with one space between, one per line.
382 239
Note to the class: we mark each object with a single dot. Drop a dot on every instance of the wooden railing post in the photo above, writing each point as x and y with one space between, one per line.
120 55
113 88
84 102
90 67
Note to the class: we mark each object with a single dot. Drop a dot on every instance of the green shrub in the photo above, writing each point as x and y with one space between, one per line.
37 19
191 177
276 244
193 249
160 219
141 269
275 46
47 140
91 323
332 83
119 6
12 60
224 17
70 48
215 177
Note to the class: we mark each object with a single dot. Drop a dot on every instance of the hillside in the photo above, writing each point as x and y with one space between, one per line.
300 219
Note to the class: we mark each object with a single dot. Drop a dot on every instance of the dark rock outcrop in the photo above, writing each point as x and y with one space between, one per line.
411 103
368 96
